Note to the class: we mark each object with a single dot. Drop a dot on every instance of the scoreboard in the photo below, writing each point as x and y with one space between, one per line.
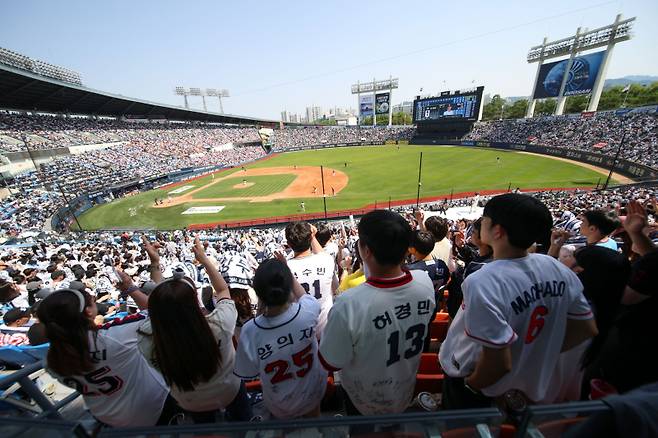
449 107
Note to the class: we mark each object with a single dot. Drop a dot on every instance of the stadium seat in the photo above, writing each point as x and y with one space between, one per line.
430 376
390 434
504 431
557 428
439 327
16 357
39 352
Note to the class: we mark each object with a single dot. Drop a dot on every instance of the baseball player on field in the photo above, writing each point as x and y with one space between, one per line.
280 347
519 313
376 331
312 267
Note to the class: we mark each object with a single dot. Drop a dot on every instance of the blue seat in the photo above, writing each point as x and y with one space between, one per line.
39 352
117 315
15 356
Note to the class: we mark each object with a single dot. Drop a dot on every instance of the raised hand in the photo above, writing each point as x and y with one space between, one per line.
199 252
559 236
151 249
459 239
280 257
124 280
636 218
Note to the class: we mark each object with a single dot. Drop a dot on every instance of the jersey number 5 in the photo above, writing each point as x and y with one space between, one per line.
302 359
536 323
106 385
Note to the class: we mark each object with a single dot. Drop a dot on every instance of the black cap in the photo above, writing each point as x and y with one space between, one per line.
14 315
43 293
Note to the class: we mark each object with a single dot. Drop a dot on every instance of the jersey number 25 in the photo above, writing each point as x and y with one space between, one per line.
302 359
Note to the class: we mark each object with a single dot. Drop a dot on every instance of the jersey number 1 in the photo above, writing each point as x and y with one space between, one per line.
316 288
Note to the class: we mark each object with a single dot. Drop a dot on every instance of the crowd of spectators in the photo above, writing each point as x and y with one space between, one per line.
27 210
601 133
601 299
49 132
328 135
97 170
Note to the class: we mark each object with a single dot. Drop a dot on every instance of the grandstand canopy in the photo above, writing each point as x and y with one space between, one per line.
25 91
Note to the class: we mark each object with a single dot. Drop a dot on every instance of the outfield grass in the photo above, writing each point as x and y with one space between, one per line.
262 186
375 173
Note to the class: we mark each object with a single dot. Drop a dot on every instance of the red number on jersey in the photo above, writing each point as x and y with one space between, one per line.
281 367
536 323
302 359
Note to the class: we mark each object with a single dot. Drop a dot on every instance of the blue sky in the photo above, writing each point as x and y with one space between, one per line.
288 55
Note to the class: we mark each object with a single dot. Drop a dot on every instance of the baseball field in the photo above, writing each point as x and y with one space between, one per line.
353 178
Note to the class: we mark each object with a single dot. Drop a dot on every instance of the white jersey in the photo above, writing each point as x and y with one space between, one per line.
522 303
375 334
282 351
220 390
122 390
316 275
331 248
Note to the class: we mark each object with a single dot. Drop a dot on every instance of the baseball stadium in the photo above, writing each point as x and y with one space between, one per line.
442 260
355 179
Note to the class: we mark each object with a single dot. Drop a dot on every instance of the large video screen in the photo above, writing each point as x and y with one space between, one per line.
580 79
454 107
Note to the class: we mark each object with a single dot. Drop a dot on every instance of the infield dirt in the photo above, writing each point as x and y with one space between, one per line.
306 178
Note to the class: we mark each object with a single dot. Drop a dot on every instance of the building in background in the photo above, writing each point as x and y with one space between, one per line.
404 107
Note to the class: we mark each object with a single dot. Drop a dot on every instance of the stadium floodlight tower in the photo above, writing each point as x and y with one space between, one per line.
381 102
181 91
576 75
199 92
219 93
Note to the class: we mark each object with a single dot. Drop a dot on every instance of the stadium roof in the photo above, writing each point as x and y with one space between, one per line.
25 91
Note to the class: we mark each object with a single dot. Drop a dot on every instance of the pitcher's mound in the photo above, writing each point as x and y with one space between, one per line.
243 185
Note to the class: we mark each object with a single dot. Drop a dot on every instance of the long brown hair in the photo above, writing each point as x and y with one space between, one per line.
242 303
67 330
185 349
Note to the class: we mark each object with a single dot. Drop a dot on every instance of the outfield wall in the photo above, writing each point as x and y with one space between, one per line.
627 168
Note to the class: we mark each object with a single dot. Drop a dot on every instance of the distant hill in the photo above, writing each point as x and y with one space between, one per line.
635 79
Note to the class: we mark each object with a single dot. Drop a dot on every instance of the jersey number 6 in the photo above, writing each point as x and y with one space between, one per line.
536 323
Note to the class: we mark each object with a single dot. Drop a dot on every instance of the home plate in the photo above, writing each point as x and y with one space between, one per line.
209 209
180 190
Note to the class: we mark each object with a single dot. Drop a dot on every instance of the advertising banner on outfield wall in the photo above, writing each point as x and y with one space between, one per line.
366 105
580 78
624 167
382 103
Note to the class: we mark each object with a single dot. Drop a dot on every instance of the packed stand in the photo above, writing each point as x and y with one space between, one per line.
528 321
27 210
49 132
601 133
329 135
95 171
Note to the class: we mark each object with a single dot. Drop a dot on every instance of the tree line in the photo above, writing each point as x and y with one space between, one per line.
611 98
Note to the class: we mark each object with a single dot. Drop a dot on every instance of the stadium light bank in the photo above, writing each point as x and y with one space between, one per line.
606 36
380 103
212 92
